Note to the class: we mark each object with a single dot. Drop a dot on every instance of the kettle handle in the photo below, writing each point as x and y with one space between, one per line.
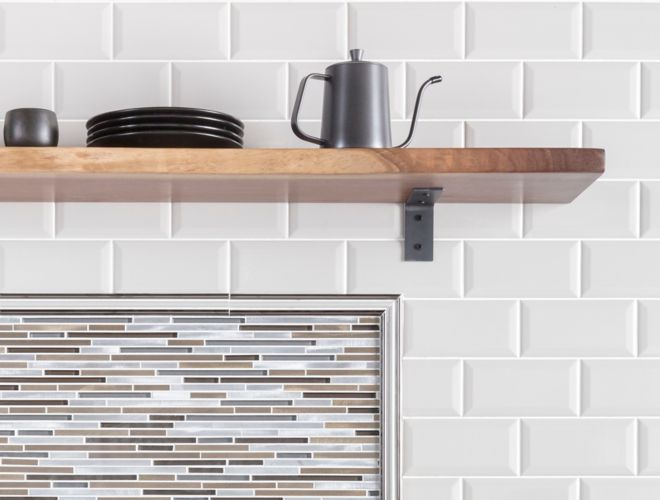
296 108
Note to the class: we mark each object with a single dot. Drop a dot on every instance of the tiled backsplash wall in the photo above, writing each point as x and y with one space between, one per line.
530 344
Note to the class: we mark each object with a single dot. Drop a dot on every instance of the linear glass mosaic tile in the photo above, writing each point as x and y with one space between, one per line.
126 401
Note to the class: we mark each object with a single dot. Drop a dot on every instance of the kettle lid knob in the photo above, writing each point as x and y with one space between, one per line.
356 54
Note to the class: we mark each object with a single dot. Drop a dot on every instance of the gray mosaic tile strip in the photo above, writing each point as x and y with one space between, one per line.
173 405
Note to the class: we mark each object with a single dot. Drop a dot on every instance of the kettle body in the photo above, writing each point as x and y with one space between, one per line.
356 108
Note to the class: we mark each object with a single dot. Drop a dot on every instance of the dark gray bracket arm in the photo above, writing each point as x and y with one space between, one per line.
418 224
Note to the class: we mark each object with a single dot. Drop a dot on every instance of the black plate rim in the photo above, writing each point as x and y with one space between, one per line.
203 121
163 127
160 110
125 134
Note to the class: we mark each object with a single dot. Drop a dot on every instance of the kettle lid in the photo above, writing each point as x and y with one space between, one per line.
356 55
356 59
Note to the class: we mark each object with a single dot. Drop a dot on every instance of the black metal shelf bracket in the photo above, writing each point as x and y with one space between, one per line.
418 224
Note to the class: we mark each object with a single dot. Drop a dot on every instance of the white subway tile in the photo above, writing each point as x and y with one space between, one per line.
522 30
578 328
72 133
649 327
477 220
422 400
649 447
630 147
620 488
531 268
171 267
55 30
407 30
345 220
112 220
463 92
429 134
288 30
494 134
246 90
591 447
378 267
621 30
312 103
540 387
26 220
171 30
55 267
650 90
445 447
278 134
520 489
604 210
84 89
229 220
650 209
288 267
620 269
581 90
460 328
25 85
430 488
620 387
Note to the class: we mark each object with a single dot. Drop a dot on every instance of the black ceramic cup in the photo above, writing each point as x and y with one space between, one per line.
31 127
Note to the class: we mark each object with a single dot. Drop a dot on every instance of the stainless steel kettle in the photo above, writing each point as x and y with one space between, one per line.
356 106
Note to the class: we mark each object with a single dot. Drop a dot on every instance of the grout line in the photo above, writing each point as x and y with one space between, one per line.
522 90
53 218
579 269
287 220
462 267
580 134
581 31
170 83
461 488
638 96
461 403
345 273
347 30
287 87
465 30
637 447
519 328
170 215
228 269
520 447
53 89
578 393
521 221
635 321
464 134
638 210
230 8
113 6
112 267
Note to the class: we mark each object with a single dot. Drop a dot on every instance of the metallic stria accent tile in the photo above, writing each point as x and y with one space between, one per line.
178 404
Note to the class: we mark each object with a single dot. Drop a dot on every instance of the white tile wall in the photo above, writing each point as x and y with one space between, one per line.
412 30
511 269
591 447
578 328
581 90
536 388
542 353
521 30
171 30
447 447
25 85
621 30
521 489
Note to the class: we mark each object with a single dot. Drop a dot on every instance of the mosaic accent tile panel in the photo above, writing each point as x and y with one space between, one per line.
177 405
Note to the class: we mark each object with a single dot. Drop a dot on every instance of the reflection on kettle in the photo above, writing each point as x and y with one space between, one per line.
356 106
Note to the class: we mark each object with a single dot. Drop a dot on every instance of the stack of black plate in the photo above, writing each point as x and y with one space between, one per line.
165 127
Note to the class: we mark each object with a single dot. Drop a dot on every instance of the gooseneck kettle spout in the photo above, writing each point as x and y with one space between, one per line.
418 100
356 105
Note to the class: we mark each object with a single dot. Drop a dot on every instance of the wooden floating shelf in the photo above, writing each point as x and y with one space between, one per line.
543 175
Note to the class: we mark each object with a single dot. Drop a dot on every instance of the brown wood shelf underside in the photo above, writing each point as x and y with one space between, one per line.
304 175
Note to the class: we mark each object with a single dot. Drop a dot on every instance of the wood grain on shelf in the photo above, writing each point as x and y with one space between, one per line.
309 175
